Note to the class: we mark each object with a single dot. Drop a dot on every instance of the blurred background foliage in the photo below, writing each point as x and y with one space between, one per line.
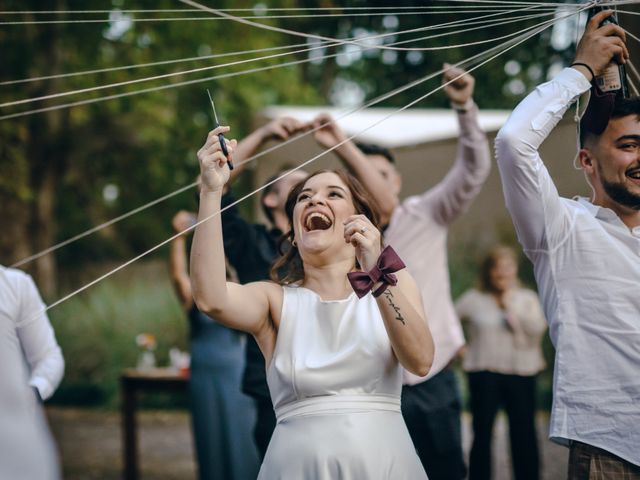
97 334
67 170
64 171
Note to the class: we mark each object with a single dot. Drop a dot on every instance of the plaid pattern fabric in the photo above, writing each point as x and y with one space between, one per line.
592 463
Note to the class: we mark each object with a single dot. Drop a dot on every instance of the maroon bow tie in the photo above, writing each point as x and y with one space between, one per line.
388 263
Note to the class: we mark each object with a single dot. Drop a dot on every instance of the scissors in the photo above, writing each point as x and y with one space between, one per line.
221 139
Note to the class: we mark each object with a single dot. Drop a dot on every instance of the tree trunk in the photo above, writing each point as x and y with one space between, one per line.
15 218
47 151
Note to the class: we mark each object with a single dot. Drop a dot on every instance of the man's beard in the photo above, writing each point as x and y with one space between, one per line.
620 194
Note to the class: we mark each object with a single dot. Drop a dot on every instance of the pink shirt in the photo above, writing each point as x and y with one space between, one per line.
418 232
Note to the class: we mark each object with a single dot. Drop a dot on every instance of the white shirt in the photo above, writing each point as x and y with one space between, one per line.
26 447
25 329
586 263
495 344
418 233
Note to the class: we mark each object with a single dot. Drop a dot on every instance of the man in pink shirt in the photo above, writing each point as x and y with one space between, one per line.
417 229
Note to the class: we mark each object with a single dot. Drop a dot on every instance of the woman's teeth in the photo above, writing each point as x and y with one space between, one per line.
317 221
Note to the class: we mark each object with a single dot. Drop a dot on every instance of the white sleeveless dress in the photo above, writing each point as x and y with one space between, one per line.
335 386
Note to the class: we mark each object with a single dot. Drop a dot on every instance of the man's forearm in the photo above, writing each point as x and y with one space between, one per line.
360 166
245 150
473 145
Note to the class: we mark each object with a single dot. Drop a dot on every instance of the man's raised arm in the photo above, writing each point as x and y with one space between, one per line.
531 197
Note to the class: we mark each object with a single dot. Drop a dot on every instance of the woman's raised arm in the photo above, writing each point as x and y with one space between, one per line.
243 307
400 304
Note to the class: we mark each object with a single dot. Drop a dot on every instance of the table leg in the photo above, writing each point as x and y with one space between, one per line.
129 437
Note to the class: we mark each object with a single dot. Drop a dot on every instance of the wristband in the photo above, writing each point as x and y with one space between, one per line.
463 107
388 263
574 64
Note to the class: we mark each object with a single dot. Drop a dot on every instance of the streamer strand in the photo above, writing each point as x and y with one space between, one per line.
282 144
307 162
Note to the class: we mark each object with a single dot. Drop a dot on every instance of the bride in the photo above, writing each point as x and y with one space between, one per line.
334 355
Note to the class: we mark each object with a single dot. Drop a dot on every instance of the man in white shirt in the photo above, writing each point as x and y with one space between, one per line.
417 230
26 448
25 328
586 260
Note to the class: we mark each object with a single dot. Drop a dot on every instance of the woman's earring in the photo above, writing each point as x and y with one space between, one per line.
293 243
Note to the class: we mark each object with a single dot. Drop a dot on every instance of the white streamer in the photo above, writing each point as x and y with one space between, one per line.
201 69
152 64
269 150
312 36
254 157
254 17
189 82
205 57
277 9
173 237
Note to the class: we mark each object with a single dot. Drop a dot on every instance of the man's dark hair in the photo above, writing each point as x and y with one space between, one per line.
269 188
371 149
621 108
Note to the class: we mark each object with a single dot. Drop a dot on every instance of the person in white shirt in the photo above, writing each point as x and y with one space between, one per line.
417 228
26 448
586 260
26 328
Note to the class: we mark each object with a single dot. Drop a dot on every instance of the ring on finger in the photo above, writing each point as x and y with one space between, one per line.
363 229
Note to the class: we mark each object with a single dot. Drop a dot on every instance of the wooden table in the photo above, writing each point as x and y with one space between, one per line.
131 382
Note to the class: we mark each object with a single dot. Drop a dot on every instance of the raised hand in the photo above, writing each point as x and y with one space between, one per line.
330 134
599 45
460 90
283 128
365 237
214 171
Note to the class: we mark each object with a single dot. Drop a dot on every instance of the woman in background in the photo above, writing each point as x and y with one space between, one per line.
222 416
504 324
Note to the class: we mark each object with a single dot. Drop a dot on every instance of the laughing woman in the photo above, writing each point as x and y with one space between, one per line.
334 356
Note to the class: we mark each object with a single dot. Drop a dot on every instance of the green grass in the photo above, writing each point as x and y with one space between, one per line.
97 328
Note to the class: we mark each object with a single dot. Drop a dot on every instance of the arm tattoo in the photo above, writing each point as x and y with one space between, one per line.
389 296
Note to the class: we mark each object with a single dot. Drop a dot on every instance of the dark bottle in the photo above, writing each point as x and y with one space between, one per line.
613 78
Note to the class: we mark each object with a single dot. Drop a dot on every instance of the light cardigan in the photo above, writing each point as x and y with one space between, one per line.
500 345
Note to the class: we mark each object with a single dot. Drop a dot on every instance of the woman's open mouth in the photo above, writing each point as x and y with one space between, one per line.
317 221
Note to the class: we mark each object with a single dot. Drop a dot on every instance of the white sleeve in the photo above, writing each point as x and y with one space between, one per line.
38 341
464 305
539 214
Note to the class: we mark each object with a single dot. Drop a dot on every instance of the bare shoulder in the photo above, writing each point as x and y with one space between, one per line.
273 295
274 291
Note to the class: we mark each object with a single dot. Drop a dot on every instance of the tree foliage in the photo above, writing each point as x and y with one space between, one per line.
67 170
